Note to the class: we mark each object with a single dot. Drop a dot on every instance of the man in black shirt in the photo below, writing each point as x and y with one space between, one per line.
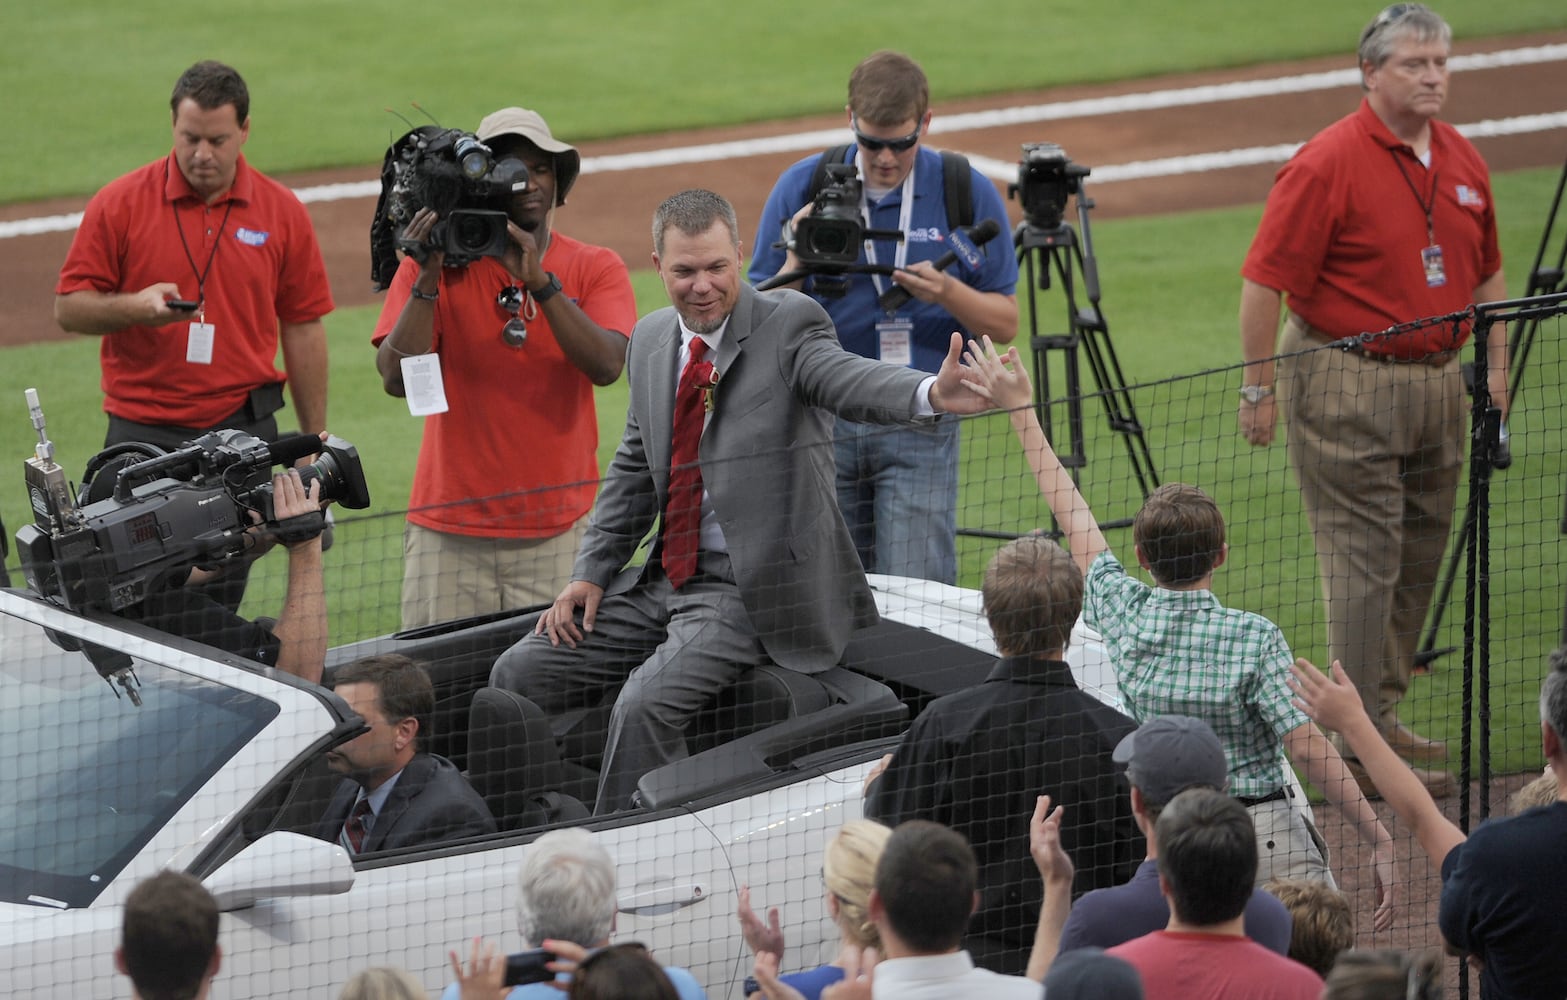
976 760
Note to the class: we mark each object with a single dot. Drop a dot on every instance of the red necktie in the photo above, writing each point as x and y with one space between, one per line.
683 515
355 827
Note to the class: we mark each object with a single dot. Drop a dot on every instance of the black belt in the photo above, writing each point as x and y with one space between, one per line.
1353 345
1277 795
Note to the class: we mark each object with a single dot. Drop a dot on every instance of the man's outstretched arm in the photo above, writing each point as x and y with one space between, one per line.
301 624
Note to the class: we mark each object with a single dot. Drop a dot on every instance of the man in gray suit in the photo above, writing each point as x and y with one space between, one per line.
394 793
775 576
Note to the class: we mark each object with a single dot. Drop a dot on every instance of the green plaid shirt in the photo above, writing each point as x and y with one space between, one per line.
1181 652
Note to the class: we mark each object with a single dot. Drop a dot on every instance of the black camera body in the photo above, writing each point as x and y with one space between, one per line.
1046 178
456 175
185 508
831 235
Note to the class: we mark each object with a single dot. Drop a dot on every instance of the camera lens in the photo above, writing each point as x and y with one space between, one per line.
832 241
325 469
471 233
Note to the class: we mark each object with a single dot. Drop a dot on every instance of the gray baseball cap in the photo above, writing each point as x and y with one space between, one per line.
1169 754
1090 974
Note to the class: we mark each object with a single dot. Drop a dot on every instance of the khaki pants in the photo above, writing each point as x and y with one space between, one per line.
1377 448
448 576
1288 844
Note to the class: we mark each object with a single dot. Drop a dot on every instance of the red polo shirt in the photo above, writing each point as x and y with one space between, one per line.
1344 228
266 267
516 455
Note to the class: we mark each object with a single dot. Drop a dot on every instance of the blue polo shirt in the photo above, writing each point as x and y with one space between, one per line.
856 314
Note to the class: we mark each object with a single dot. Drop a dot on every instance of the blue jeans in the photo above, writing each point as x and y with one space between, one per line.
898 491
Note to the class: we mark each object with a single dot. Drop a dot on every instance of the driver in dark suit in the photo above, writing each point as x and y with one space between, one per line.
395 794
773 573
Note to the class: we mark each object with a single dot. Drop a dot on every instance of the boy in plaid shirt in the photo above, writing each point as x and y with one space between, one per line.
1177 651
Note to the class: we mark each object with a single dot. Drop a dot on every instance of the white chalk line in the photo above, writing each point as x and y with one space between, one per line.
997 117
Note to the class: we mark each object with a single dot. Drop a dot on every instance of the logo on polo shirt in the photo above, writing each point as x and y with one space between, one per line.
251 237
929 234
1469 196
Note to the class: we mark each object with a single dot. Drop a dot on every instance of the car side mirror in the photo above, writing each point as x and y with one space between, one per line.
281 864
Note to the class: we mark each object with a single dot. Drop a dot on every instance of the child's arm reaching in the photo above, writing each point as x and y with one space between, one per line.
1333 703
1004 380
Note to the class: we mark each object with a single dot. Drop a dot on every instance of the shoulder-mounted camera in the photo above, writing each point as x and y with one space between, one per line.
454 174
143 515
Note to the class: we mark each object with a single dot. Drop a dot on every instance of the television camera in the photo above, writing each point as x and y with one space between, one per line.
456 175
1046 177
828 239
166 511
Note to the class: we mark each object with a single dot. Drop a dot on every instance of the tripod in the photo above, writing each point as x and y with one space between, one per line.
1058 249
1544 280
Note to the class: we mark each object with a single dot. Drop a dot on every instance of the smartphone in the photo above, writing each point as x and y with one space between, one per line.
528 967
181 305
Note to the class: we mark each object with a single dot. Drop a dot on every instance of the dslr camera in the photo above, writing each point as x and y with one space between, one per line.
456 175
109 547
1046 177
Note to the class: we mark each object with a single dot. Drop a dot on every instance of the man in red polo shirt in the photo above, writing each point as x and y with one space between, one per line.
194 269
1383 217
200 226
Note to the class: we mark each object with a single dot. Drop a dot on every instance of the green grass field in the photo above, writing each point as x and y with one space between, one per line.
1170 283
322 73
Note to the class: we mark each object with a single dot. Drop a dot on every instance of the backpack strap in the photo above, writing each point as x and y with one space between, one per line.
837 154
957 180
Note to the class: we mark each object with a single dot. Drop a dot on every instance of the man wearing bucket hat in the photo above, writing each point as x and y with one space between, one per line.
503 354
1164 757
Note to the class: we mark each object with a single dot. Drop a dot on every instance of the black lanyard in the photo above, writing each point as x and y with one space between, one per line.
1426 204
200 273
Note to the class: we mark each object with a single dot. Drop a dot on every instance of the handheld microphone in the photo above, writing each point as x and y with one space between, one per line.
965 242
290 448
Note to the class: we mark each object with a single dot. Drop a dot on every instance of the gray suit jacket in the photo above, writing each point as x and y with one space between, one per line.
767 464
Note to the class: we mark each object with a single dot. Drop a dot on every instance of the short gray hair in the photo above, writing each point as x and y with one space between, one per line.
566 890
1401 22
1553 694
693 213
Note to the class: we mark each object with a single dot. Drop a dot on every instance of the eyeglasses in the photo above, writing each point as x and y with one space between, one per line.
1388 16
902 144
511 299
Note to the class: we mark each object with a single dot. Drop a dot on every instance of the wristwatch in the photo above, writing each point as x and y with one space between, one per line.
543 295
1255 394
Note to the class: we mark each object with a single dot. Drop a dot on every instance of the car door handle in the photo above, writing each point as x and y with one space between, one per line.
662 899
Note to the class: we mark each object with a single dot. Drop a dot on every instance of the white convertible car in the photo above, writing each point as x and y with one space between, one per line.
124 751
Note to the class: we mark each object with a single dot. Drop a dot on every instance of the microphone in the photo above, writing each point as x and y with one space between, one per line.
290 448
965 242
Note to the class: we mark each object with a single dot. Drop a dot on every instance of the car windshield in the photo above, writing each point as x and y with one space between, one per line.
87 775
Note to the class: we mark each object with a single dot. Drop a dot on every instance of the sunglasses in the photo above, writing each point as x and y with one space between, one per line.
515 332
871 144
1388 16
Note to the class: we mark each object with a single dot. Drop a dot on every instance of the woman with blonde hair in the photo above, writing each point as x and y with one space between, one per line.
849 874
383 983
